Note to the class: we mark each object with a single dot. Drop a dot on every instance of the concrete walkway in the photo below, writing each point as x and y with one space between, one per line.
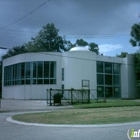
28 105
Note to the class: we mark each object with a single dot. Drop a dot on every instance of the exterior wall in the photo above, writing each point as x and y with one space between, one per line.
31 91
129 89
78 66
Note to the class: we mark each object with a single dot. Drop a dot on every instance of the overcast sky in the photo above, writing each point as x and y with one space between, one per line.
105 22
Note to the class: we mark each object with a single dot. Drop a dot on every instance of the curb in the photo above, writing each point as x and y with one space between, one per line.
72 126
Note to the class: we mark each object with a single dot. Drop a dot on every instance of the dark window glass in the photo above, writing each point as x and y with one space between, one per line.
100 91
52 81
100 67
28 70
46 81
108 79
108 67
39 81
40 70
100 79
116 79
22 70
52 69
34 70
62 74
46 70
117 92
116 68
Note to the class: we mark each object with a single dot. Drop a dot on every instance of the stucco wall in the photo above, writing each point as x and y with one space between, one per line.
31 91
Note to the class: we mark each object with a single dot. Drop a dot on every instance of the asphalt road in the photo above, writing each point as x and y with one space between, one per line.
11 131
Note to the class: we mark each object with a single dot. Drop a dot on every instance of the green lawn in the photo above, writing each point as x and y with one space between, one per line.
109 103
84 116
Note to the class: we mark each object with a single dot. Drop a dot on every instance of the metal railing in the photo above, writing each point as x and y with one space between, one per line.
75 96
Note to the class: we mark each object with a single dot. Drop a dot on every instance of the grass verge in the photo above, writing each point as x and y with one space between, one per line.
109 103
84 116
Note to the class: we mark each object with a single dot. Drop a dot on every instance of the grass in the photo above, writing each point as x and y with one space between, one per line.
84 116
109 103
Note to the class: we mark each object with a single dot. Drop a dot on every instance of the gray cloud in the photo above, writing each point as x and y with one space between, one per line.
72 17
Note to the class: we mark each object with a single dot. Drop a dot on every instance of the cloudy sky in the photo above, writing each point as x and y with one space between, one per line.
105 22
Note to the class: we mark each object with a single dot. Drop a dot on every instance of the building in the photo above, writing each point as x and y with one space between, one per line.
29 75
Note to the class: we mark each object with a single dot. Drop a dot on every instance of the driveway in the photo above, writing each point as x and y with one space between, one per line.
11 131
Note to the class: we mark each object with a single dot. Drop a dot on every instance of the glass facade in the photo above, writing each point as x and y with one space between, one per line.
108 79
40 72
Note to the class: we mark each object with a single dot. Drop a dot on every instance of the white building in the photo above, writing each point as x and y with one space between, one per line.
27 76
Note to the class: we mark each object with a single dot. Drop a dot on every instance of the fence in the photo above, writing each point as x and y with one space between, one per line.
75 96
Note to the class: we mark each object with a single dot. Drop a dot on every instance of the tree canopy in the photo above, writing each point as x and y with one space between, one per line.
122 55
49 40
135 34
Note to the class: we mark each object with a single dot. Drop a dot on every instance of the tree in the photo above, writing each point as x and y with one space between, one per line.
137 67
14 51
81 42
135 33
122 55
48 40
94 47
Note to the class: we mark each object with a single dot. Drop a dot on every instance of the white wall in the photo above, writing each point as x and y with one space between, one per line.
31 91
79 65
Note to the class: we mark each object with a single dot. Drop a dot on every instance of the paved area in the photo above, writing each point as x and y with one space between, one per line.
28 105
12 131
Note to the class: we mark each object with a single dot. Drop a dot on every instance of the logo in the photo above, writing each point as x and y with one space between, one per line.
131 133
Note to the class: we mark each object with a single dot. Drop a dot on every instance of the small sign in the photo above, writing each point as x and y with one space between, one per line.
85 83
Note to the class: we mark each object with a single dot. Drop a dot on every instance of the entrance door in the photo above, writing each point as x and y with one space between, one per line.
108 92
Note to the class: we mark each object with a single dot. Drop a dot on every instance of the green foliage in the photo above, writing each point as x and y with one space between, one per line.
122 55
94 47
135 33
137 67
48 40
14 51
82 43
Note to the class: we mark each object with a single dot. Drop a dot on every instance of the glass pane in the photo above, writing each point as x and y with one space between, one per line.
39 81
108 92
34 70
100 91
116 68
40 70
100 67
22 70
28 70
52 69
117 92
52 81
62 74
46 69
108 67
116 79
100 79
108 79
46 81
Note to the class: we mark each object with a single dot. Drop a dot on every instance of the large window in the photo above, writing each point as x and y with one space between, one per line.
108 79
41 72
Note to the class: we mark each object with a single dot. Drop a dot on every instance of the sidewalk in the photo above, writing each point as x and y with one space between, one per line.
9 105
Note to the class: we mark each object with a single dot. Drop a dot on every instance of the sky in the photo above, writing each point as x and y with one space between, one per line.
105 22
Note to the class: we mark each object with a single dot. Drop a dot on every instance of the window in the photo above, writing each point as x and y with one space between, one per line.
108 68
30 73
62 74
100 79
108 79
100 67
